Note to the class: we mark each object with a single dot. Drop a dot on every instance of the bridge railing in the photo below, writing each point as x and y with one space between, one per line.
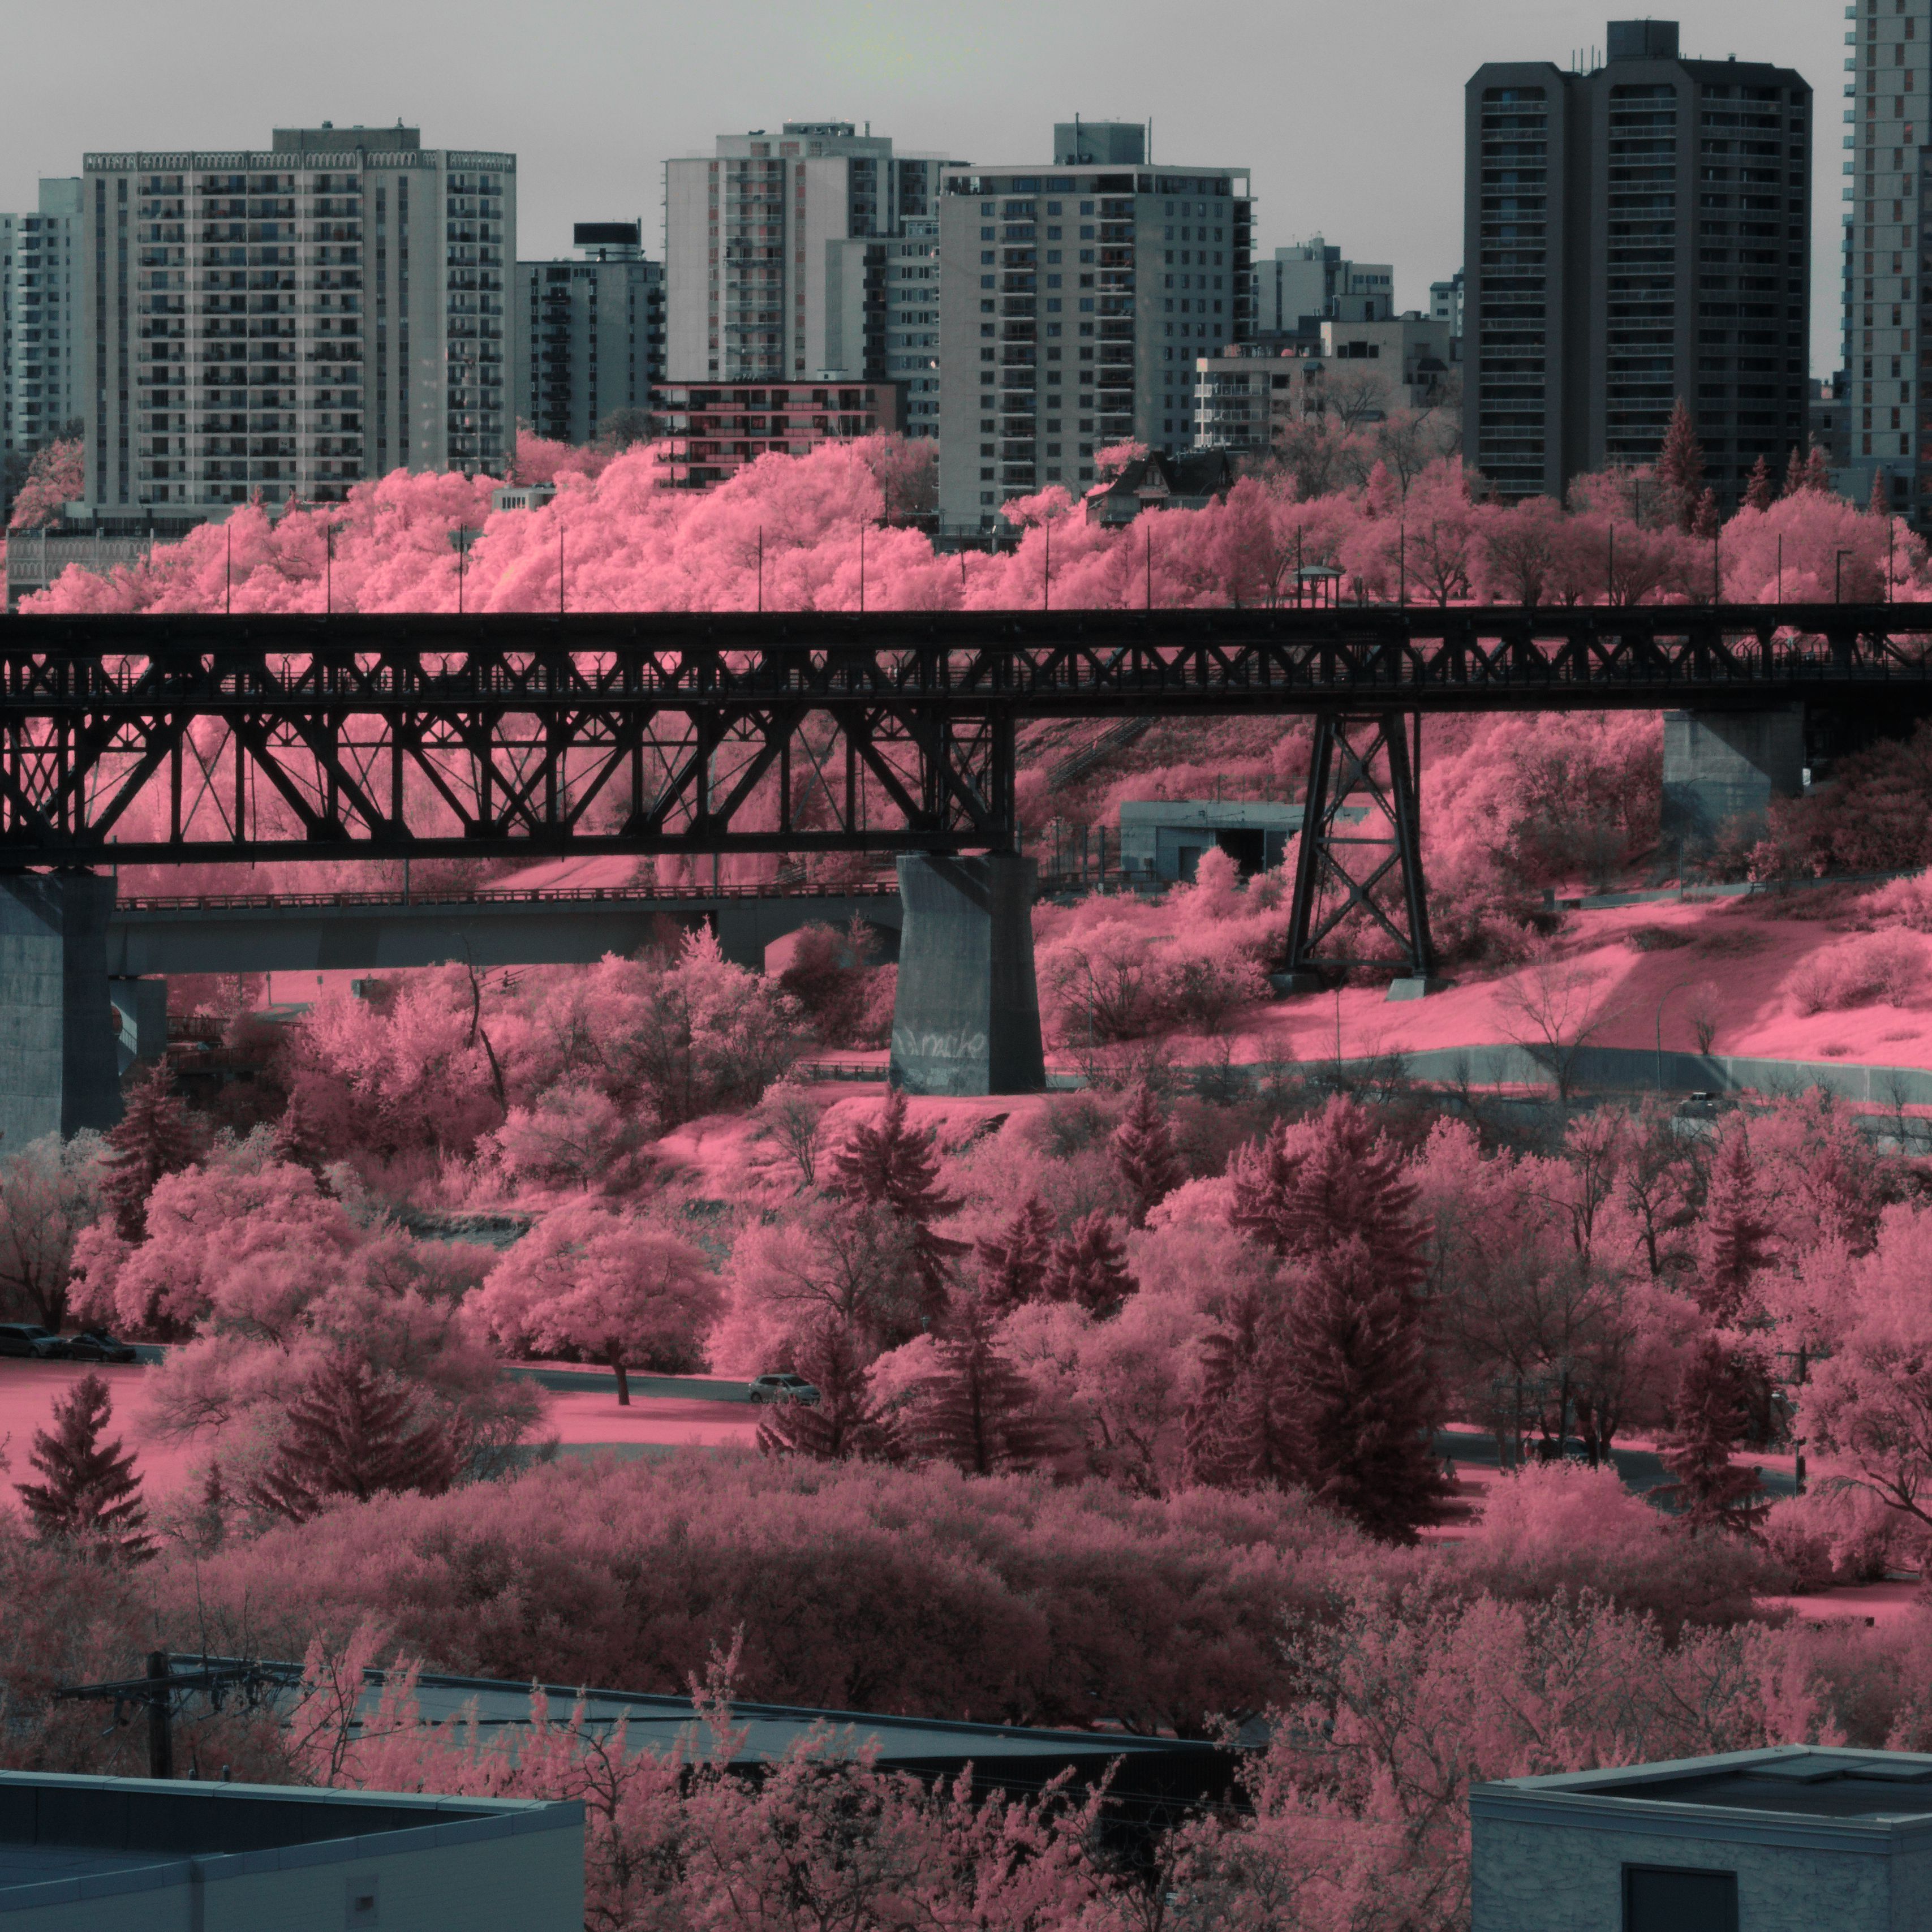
642 895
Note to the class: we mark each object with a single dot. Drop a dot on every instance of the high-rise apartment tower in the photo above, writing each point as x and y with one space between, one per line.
40 315
590 332
292 320
1634 234
1889 199
1074 302
775 252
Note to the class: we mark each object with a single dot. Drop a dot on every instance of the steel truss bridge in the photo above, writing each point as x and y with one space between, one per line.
191 738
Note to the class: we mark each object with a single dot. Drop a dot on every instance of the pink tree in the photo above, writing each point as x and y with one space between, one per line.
1871 1399
57 476
1143 1149
260 1276
615 1286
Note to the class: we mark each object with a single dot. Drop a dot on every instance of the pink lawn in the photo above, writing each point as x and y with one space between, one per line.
1739 966
594 1415
29 1390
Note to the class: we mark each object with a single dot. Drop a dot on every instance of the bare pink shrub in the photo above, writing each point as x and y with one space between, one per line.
1880 966
1909 901
1831 1535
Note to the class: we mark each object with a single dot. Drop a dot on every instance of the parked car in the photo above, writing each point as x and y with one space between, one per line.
28 1339
782 1388
95 1344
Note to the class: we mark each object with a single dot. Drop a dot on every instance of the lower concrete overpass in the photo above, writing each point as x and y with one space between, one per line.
325 932
83 981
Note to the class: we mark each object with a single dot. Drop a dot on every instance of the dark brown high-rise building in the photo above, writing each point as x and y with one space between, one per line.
1635 233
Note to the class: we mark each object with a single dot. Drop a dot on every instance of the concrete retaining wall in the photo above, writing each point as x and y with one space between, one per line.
1635 1068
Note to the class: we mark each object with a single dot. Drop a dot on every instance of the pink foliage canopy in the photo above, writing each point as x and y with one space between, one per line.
786 532
614 1285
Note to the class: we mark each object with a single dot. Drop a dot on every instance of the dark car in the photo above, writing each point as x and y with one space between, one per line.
28 1339
91 1345
782 1388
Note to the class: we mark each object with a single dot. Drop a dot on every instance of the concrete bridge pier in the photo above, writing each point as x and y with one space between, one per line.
58 1069
1722 766
967 1019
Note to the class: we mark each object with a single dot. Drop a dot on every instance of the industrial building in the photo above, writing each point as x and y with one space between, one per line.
146 1855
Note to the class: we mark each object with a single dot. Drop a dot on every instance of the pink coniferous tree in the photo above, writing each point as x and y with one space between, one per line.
1013 1264
1142 1146
1089 1267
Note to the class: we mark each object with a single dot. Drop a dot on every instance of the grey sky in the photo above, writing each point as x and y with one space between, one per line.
1350 114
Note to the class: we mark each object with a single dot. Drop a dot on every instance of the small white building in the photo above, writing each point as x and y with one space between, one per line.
1165 838
1796 1839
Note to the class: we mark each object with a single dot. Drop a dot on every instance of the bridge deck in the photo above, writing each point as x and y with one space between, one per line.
180 737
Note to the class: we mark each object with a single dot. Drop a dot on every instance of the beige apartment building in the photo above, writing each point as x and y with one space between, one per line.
1074 302
293 319
777 249
40 293
1358 372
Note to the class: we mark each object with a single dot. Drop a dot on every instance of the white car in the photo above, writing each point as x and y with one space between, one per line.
781 1388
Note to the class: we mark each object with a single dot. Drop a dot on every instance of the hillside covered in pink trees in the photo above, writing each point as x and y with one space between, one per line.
784 534
1399 1436
1131 1413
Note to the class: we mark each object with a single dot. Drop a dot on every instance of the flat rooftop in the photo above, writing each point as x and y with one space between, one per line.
1014 1758
1739 1788
65 1840
1812 1783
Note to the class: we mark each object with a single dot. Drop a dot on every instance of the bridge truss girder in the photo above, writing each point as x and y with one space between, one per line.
170 738
251 782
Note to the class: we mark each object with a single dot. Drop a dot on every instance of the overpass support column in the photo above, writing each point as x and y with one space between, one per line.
967 1017
1721 766
57 1070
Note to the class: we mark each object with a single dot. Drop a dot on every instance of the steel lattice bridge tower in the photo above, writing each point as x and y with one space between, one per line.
173 739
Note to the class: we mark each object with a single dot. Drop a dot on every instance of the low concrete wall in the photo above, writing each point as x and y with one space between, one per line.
1628 1068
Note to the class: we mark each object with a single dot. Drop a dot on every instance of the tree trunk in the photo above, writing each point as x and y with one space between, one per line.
623 1379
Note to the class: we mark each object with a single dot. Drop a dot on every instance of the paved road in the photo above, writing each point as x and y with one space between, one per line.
578 1381
1641 1469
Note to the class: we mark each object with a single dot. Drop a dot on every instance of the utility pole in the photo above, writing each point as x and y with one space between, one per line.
160 1732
